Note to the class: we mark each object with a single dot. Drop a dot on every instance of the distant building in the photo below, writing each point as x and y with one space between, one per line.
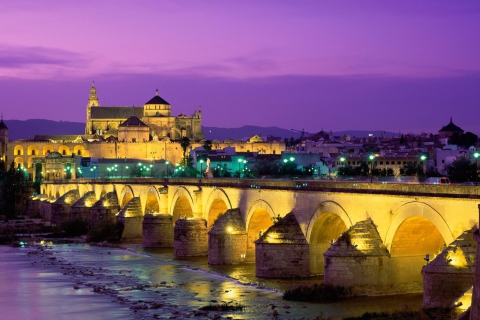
450 130
156 114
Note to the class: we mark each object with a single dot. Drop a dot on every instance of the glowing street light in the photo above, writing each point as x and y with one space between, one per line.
166 164
201 167
342 160
371 158
476 155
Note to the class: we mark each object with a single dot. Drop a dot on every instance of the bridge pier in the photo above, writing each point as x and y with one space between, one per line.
190 238
131 218
104 209
360 261
227 240
61 207
450 274
282 251
157 231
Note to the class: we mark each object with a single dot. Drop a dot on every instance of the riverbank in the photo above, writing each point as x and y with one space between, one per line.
79 281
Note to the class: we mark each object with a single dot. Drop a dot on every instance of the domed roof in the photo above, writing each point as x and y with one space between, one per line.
157 100
451 128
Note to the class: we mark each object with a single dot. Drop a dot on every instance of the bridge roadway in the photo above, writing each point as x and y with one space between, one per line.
410 220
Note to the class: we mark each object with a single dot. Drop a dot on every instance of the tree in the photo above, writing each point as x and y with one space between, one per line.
207 145
185 143
461 170
15 189
412 169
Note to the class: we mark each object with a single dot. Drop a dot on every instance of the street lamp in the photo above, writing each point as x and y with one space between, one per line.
371 158
342 161
201 167
476 154
423 157
166 164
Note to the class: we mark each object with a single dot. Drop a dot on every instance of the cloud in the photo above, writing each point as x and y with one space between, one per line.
21 57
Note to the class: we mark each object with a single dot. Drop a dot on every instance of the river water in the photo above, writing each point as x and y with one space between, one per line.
79 281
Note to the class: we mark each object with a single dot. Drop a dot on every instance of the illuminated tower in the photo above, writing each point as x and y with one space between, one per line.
92 102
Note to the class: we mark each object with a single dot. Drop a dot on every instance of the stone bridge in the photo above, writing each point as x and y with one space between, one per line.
373 237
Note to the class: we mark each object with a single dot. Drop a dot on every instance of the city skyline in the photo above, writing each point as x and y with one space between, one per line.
363 65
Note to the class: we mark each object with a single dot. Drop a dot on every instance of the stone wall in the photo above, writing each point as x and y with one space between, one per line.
157 231
450 274
282 251
227 240
190 237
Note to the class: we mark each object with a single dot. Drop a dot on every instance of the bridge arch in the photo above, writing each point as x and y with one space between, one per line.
259 218
125 196
417 229
152 201
182 204
216 205
328 222
420 218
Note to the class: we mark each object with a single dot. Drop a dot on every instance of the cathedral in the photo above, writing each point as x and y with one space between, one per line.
104 121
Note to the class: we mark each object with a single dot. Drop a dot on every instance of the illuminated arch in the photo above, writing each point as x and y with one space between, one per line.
18 162
47 149
33 150
152 201
18 150
217 203
331 207
79 150
418 209
30 162
328 222
64 150
259 219
125 196
182 204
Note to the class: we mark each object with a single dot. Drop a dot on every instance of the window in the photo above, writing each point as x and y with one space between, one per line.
33 152
381 162
134 139
64 152
18 152
388 162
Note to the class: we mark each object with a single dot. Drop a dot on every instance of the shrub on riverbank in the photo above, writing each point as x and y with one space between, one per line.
427 314
223 307
105 230
74 227
316 292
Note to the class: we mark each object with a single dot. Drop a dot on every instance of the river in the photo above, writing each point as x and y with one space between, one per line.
80 281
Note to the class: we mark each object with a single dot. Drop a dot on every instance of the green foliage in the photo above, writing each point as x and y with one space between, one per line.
104 230
466 140
461 170
427 314
316 292
74 227
15 190
227 306
363 169
207 145
412 170
265 167
185 143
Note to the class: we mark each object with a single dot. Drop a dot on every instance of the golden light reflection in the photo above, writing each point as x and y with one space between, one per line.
229 229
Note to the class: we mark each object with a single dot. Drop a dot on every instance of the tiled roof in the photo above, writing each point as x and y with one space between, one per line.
157 100
451 128
115 112
133 121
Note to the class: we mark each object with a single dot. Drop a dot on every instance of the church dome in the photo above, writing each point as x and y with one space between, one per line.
451 128
157 100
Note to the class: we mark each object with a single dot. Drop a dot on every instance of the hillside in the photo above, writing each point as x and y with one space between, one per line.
27 129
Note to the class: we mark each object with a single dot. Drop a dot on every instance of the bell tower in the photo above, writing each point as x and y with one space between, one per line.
92 102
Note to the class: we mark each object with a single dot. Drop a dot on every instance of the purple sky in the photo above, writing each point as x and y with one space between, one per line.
401 66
